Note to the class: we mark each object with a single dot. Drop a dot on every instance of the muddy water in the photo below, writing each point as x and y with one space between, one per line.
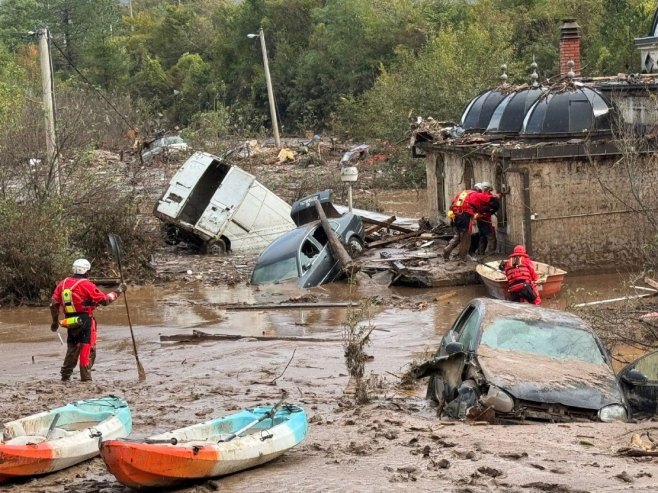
179 308
190 383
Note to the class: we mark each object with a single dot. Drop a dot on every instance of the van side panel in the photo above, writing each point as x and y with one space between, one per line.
228 196
182 184
259 220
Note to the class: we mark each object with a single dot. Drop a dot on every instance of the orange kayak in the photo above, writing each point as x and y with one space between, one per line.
214 448
62 437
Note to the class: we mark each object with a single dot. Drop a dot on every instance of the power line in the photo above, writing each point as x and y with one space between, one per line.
109 103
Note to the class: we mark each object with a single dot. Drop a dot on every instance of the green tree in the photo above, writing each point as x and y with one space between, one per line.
193 87
17 18
452 68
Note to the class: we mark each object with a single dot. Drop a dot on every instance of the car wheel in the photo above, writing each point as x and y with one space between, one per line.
355 246
435 391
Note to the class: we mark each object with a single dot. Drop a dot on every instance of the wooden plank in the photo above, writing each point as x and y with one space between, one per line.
651 282
283 306
394 227
105 281
613 300
393 239
377 227
198 336
411 256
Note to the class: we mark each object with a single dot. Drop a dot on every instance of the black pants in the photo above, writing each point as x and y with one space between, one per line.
74 340
526 293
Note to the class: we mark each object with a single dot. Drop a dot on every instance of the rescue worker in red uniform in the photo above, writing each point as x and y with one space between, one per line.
79 297
486 230
464 206
521 276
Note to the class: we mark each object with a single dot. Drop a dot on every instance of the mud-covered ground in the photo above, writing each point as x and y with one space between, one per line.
393 443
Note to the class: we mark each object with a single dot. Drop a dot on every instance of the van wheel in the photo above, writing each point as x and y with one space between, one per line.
171 234
355 246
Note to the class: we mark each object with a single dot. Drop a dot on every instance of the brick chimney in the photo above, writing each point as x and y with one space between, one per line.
569 45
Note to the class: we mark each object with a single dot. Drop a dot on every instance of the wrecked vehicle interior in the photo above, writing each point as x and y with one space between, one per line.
507 362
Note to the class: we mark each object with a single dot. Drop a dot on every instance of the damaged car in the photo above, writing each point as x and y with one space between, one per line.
510 362
304 254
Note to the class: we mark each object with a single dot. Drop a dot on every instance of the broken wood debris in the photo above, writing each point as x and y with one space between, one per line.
388 224
199 336
393 239
651 282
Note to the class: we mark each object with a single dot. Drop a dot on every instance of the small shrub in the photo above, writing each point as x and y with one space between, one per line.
355 337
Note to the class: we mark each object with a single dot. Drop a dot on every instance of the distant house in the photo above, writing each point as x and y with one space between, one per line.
576 160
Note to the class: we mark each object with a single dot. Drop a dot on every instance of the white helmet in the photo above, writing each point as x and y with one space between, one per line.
81 266
477 187
485 185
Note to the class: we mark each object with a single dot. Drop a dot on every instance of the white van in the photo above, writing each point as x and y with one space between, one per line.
211 202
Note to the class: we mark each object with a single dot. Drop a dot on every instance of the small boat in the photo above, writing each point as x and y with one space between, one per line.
62 437
548 285
215 448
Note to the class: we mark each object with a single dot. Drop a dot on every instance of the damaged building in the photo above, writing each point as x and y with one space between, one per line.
574 159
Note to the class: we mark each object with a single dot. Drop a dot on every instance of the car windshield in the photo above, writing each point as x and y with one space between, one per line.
543 338
277 271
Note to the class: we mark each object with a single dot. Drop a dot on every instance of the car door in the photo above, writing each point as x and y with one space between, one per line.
639 381
312 262
461 330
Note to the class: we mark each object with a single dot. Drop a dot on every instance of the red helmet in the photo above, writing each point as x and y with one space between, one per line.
519 250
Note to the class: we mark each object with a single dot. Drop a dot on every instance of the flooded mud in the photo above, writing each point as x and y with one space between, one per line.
394 443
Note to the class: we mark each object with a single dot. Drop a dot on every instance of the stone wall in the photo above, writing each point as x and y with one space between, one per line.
584 215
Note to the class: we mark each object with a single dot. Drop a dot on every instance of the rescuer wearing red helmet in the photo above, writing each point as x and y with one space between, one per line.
521 276
79 297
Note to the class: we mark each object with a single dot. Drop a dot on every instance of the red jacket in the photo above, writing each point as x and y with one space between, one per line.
470 202
85 295
491 207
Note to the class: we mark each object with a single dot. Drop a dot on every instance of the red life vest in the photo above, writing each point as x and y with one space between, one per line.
517 270
458 203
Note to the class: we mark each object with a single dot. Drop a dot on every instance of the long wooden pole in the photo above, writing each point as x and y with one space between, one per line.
339 251
270 91
48 106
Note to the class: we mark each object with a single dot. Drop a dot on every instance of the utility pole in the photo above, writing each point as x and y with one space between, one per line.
270 92
48 106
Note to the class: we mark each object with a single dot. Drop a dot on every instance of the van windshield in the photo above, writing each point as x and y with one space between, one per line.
280 270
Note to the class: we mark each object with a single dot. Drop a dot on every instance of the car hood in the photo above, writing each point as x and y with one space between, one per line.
537 378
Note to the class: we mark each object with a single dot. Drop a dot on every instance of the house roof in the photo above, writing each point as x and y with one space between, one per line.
510 112
566 110
481 108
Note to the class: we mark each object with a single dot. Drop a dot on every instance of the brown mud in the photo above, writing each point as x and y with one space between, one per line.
394 443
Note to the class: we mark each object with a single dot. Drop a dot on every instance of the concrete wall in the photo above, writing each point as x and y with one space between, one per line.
583 215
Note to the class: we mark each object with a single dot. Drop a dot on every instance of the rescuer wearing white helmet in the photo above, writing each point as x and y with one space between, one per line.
78 297
486 235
